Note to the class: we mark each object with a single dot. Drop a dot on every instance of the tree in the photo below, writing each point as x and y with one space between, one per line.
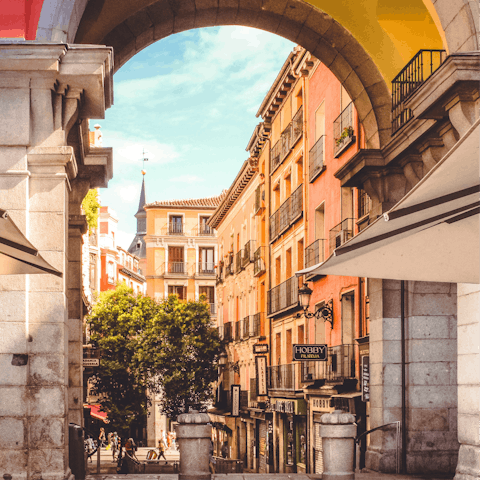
90 206
185 348
117 320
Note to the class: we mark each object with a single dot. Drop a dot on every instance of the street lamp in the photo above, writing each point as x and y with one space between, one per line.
326 312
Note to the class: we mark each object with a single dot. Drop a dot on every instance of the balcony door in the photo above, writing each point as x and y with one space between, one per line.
207 264
178 290
209 293
175 260
176 224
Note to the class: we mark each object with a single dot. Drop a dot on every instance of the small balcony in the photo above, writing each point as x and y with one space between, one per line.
238 330
314 254
176 228
286 142
412 76
343 132
206 269
225 332
238 261
297 126
220 272
176 269
205 230
257 327
283 297
341 365
275 156
282 377
259 261
316 158
248 251
288 213
259 199
341 233
245 328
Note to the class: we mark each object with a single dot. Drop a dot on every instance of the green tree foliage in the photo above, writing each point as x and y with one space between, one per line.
90 206
117 319
148 347
185 348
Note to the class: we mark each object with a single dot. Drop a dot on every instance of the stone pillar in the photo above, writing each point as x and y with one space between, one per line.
431 354
36 171
468 467
194 438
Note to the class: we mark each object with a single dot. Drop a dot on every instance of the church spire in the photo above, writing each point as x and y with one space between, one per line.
143 198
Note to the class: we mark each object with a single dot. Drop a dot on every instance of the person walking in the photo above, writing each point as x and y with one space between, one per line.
161 449
114 445
101 437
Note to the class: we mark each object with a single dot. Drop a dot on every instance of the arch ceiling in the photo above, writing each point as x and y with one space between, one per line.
365 42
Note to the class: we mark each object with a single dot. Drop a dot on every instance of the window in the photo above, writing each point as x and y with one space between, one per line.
320 222
176 224
300 254
111 272
206 264
209 293
301 334
93 272
278 270
288 185
348 318
178 290
289 346
204 228
320 121
364 203
319 325
175 260
288 263
278 348
300 171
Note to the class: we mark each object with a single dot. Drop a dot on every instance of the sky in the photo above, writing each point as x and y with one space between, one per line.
189 101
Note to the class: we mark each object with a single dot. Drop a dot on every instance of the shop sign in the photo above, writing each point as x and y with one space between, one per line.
91 362
260 348
235 400
261 366
365 378
321 404
285 406
310 352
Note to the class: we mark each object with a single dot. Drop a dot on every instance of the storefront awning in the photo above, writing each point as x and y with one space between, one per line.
432 234
17 254
97 414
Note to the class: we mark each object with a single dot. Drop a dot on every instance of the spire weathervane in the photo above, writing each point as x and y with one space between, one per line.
144 159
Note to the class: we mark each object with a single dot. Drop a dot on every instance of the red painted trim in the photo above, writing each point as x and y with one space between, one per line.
19 18
33 9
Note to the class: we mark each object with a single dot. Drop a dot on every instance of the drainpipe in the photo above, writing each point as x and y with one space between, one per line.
404 408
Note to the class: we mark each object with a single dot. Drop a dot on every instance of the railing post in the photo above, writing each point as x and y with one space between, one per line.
194 437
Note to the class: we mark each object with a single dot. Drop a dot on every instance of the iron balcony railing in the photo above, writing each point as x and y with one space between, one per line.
226 332
315 253
259 261
341 364
176 268
258 325
282 377
297 126
343 132
412 76
245 327
219 273
283 297
286 139
204 229
316 157
229 265
206 268
213 308
259 198
275 156
175 228
248 251
238 330
290 210
341 233
238 261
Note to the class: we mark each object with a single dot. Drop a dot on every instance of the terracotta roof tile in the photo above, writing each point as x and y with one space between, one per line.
208 202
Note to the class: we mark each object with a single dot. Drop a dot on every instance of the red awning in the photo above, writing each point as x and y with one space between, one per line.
97 414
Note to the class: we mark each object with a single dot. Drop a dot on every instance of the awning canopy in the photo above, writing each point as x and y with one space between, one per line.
17 254
96 413
432 234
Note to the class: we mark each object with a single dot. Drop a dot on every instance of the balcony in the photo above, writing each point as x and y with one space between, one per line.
275 156
248 251
206 269
282 377
283 297
412 76
175 228
341 365
238 261
257 327
175 269
341 233
286 142
225 332
314 254
259 261
220 273
238 330
259 199
316 157
205 230
343 132
245 328
213 309
288 213
229 265
297 126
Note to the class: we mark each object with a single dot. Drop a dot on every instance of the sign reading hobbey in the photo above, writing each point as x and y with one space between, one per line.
310 352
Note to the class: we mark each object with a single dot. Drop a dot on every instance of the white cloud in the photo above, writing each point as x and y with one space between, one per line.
187 179
124 239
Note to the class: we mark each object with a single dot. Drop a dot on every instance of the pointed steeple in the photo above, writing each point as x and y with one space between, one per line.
143 198
138 246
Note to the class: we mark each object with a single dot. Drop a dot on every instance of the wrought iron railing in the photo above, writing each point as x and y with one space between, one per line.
297 203
286 139
297 125
282 377
259 198
176 268
175 228
341 233
412 76
284 214
248 251
229 265
204 229
238 261
245 327
258 324
316 157
315 253
290 210
259 261
206 268
227 332
219 273
341 364
238 330
274 225
343 131
275 156
283 296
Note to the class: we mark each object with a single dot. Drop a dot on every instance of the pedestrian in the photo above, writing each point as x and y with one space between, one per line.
225 449
161 449
114 445
101 437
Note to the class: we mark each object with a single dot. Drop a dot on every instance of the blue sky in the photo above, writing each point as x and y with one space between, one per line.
190 101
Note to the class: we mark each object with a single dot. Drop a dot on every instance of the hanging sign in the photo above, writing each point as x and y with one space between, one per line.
260 348
310 352
91 362
261 365
365 378
235 400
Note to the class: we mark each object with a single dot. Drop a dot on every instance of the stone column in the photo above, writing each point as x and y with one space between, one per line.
468 467
36 170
